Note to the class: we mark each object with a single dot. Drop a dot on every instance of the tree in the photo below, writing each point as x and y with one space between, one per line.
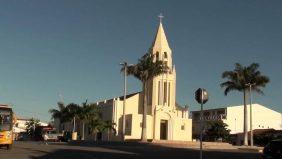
95 126
146 69
109 126
31 125
83 114
217 129
71 113
86 113
93 117
59 113
238 79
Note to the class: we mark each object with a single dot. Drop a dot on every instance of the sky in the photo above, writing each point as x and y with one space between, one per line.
71 50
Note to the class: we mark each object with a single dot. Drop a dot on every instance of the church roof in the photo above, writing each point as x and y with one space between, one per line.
128 95
160 40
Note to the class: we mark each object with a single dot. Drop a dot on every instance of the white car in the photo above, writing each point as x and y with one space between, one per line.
53 136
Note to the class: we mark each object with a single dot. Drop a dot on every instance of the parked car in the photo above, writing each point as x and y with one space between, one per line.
54 136
273 150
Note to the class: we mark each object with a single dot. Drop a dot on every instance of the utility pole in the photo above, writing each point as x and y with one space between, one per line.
124 64
201 126
251 114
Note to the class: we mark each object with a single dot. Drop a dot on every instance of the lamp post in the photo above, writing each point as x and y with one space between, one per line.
124 65
201 96
251 116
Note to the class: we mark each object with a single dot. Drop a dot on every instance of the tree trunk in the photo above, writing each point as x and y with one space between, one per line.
73 130
144 119
245 120
95 136
108 134
83 125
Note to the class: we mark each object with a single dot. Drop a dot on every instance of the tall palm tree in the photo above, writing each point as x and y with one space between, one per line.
95 126
93 118
31 126
59 113
83 115
72 113
109 126
146 69
238 80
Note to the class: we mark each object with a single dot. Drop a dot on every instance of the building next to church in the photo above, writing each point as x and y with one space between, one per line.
233 116
166 120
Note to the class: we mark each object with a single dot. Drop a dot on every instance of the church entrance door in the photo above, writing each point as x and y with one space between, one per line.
163 130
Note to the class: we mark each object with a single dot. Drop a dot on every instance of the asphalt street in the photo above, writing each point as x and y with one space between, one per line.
38 150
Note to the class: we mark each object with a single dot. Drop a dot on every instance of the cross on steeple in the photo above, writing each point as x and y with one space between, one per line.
161 17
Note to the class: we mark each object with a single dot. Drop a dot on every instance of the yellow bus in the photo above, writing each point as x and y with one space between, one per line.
6 126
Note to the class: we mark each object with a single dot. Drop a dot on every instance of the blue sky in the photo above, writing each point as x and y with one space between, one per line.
74 48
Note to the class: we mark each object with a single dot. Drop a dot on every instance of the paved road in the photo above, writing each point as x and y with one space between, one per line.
36 150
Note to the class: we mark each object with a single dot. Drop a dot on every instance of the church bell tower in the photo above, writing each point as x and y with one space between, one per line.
161 90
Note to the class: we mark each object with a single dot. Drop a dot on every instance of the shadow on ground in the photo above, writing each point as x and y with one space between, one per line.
83 154
134 150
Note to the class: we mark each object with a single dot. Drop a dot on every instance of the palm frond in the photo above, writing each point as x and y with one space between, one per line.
253 67
241 76
229 88
146 68
257 90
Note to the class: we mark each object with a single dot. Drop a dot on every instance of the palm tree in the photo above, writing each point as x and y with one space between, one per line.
93 118
31 125
71 114
59 113
83 115
146 69
95 126
238 80
108 126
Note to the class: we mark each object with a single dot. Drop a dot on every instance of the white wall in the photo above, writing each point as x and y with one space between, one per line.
263 118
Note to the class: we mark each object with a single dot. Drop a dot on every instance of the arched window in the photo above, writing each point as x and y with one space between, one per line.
157 55
165 55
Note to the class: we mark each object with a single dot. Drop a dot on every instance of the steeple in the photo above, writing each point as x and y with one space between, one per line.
162 87
160 47
160 42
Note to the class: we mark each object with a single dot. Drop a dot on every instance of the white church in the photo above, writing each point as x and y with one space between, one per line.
166 120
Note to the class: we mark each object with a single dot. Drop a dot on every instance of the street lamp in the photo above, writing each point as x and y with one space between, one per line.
251 117
124 65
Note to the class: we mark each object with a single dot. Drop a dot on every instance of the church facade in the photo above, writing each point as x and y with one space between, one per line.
166 120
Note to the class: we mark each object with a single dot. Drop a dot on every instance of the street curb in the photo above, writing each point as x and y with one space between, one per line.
258 149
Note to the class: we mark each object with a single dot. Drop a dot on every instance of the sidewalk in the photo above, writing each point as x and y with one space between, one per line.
171 144
194 145
250 148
